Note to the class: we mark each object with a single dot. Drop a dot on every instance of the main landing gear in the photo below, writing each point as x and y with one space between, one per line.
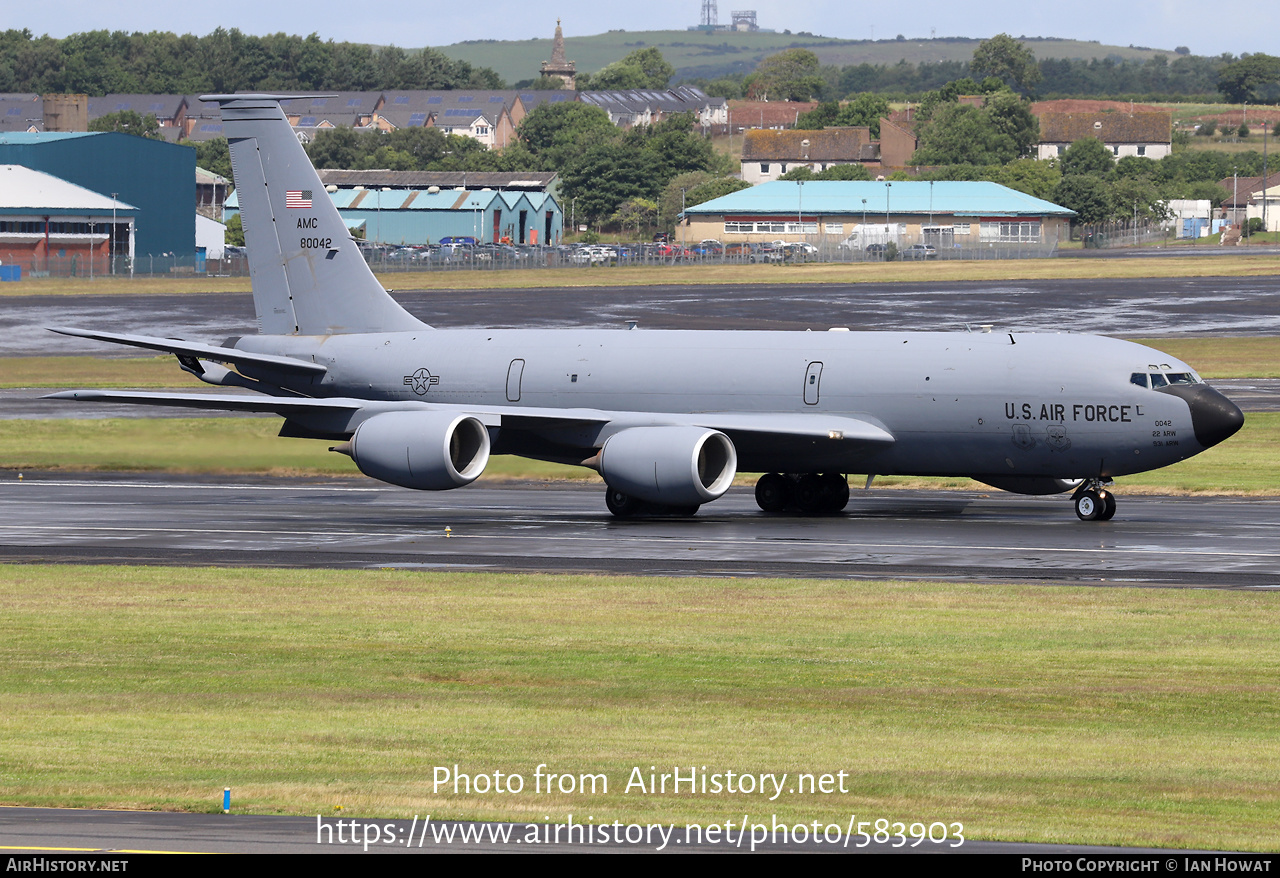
625 506
1094 502
808 493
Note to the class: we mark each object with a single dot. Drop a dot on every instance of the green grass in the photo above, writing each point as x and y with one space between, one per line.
1246 357
715 54
1247 463
1069 715
94 372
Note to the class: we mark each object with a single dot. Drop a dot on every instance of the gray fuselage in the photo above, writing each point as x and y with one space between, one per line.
996 404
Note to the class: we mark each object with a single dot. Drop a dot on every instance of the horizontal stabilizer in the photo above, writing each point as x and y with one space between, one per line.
280 405
195 349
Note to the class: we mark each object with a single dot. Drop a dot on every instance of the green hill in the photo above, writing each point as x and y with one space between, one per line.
694 53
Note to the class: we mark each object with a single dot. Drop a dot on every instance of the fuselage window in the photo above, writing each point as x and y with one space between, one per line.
1138 378
1181 378
1157 380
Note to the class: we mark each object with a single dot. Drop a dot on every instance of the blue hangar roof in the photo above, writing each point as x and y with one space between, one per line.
830 197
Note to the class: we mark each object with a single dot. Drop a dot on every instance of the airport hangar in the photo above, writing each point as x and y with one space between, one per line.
944 214
156 178
414 208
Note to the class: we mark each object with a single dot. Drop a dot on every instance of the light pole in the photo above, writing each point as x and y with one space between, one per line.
887 187
800 206
682 191
111 239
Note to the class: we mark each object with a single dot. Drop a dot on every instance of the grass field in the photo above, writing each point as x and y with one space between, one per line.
1238 263
716 54
1070 715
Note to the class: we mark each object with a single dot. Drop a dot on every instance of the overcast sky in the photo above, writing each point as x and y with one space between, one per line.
1206 28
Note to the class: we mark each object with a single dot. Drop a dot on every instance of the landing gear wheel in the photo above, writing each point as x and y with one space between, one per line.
836 487
622 505
809 494
773 492
1089 505
1108 506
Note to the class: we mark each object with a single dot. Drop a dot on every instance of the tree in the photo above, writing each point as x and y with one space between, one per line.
636 212
845 172
1089 197
643 68
963 134
608 174
556 133
234 235
1011 116
214 155
1241 81
1036 178
1087 156
790 75
128 122
1007 59
799 172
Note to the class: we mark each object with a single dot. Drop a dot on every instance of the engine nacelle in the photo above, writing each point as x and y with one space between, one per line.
674 466
1038 485
429 451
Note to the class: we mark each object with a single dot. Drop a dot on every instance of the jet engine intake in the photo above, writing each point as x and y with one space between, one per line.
674 466
428 451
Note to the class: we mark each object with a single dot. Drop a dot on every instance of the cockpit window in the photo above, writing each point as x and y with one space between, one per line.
1181 378
1157 381
1138 378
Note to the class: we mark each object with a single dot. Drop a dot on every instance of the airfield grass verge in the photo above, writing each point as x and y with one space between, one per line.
1237 263
1050 714
1247 463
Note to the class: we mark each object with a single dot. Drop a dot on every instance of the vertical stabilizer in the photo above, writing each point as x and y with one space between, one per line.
309 277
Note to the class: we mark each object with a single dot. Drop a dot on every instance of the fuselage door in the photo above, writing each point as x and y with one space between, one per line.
812 381
514 373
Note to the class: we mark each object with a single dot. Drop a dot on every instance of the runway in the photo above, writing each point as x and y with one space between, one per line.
95 834
888 533
1136 308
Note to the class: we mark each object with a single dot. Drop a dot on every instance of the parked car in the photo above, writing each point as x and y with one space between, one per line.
591 255
768 253
920 251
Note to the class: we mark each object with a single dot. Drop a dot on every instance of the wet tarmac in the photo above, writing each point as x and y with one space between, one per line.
1210 542
1128 308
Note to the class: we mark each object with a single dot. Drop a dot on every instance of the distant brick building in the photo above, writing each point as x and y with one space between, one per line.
1125 129
767 155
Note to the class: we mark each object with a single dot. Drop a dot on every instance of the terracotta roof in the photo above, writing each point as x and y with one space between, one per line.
1243 188
1078 105
826 145
1137 127
767 114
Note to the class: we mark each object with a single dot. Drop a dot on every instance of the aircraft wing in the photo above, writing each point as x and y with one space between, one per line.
195 350
343 414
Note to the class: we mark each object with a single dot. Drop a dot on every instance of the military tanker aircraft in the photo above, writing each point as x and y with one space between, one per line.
667 418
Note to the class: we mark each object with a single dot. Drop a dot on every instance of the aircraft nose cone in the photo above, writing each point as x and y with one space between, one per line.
1213 416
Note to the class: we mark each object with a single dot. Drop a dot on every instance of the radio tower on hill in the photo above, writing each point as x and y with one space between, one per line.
710 16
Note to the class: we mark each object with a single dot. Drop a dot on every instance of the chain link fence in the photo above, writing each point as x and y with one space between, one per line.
389 261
